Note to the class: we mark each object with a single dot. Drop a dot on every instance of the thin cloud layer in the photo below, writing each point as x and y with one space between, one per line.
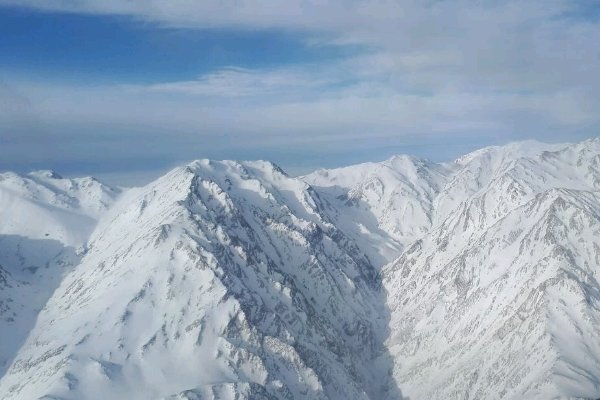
434 70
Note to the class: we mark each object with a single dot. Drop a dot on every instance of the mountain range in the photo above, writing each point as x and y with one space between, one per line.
471 279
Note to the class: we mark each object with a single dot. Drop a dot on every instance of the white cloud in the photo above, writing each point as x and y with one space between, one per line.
416 45
433 68
248 103
240 82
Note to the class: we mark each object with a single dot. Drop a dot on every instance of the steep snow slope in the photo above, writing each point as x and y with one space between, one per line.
44 220
220 279
501 299
383 206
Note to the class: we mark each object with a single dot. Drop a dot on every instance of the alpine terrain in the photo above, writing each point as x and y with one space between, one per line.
472 279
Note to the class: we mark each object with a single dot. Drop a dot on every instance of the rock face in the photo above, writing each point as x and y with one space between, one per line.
475 279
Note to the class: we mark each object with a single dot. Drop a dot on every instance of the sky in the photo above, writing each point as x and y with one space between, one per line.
125 90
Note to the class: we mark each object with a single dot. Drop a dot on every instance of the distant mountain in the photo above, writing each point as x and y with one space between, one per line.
473 279
383 206
45 221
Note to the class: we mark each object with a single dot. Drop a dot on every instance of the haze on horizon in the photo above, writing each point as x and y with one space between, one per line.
124 90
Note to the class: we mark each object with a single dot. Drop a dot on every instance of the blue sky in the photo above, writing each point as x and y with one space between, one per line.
65 46
125 90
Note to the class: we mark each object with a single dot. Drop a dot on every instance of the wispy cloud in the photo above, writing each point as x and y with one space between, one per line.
544 46
430 71
242 82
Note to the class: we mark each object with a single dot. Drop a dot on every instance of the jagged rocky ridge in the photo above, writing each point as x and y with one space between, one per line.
471 279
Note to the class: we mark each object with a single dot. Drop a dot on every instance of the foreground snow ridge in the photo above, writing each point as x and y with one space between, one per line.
473 279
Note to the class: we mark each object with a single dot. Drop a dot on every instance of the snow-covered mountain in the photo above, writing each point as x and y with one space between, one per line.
220 278
383 206
45 221
473 279
501 299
